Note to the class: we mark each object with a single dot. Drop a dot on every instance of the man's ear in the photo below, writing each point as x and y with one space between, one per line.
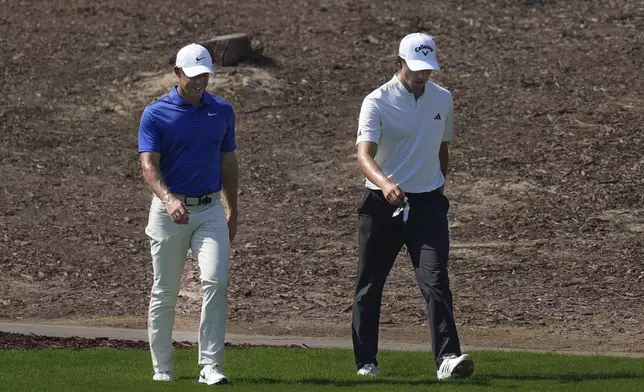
177 71
399 62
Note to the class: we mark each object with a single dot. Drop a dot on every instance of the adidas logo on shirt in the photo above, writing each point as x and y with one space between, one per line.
438 117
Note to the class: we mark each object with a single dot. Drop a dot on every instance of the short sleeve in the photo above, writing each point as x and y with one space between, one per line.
229 144
448 132
369 124
149 134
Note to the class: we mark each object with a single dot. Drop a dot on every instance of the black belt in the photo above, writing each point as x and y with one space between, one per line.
193 201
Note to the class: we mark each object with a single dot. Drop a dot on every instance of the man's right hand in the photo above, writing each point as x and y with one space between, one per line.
366 161
393 193
177 210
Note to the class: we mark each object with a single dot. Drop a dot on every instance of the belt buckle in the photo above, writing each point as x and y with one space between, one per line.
188 204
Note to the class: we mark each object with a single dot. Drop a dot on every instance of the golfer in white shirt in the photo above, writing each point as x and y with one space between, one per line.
403 138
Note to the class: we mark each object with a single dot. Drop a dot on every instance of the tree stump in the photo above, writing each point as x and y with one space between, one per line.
228 50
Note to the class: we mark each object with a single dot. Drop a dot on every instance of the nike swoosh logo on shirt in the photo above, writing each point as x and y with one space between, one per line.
212 114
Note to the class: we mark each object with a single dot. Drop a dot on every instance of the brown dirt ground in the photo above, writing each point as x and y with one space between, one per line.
546 183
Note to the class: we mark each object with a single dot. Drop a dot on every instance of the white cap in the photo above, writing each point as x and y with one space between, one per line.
194 60
419 52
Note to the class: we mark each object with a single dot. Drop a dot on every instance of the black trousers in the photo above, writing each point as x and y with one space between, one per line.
381 238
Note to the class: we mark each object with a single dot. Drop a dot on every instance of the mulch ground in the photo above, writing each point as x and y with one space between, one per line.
546 177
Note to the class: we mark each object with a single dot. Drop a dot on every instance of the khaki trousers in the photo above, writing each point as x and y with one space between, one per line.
207 236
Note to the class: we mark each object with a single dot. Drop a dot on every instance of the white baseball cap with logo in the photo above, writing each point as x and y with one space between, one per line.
419 52
194 60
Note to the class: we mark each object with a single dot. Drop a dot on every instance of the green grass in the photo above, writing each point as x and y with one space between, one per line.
283 369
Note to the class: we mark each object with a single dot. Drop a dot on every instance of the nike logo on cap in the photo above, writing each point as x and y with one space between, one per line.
200 58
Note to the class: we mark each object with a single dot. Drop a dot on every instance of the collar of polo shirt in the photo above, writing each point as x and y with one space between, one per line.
178 100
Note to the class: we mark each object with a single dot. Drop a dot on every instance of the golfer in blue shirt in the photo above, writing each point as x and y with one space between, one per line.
187 152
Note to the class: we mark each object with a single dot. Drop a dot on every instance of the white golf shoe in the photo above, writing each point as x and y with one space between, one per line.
369 370
162 376
455 367
211 375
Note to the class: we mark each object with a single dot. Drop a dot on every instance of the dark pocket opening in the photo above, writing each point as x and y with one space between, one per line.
445 203
363 203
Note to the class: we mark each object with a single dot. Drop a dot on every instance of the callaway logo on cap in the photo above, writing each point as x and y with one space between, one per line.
419 52
194 60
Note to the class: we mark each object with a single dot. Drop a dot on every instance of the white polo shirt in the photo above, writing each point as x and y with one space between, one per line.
408 132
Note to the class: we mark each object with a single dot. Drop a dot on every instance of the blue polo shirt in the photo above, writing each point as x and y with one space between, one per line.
190 140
